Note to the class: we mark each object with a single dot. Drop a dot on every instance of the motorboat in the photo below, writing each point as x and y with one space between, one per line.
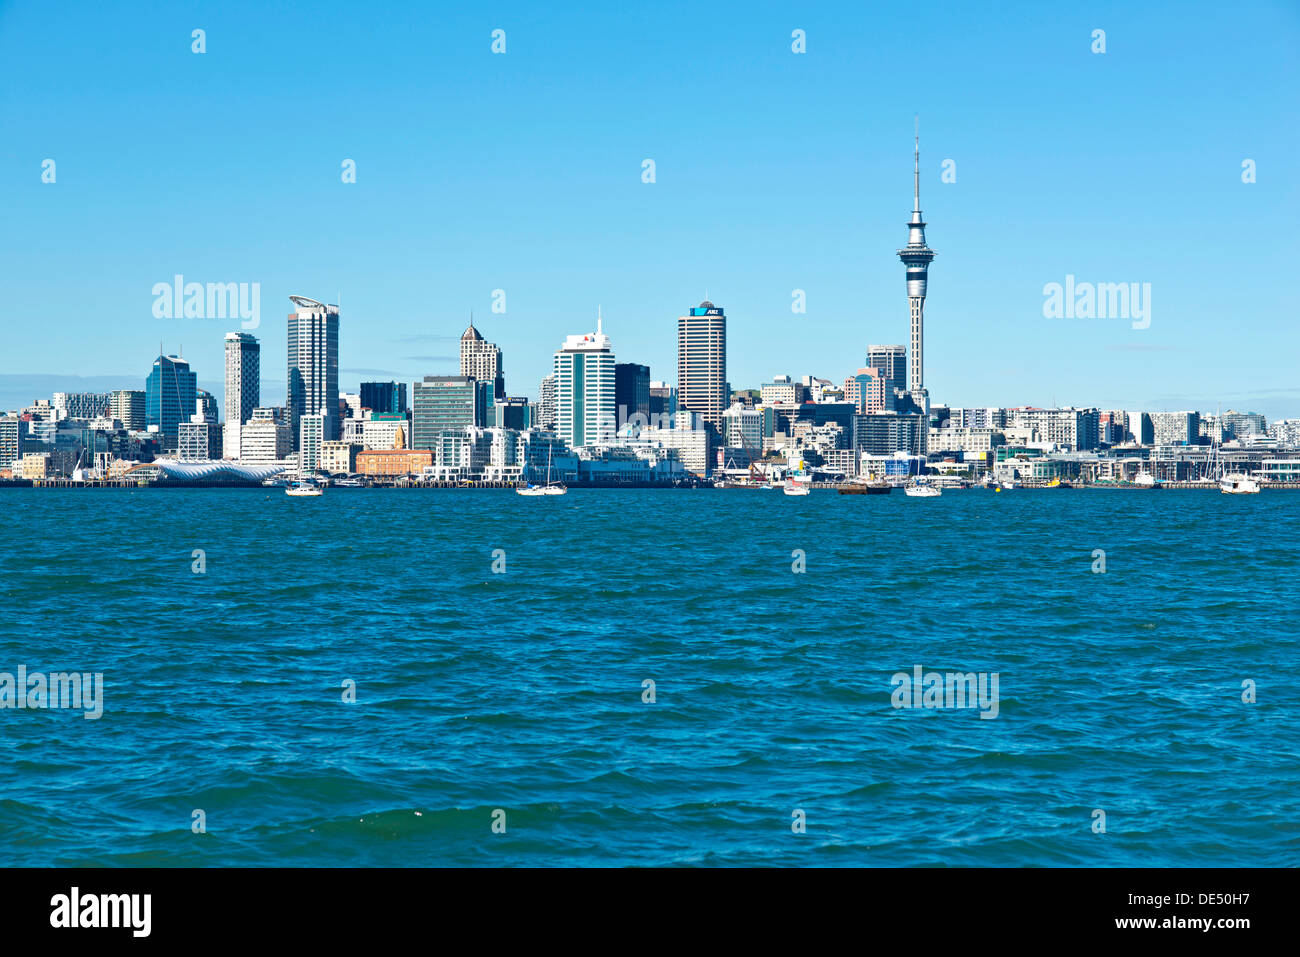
1238 484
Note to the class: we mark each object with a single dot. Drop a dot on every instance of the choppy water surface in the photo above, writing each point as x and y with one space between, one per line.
523 690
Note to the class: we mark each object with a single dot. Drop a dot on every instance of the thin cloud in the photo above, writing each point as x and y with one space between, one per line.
388 372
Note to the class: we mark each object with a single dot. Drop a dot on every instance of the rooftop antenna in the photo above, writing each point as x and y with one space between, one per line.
598 321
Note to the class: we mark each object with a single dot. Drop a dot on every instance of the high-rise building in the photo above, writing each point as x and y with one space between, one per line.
686 436
383 396
128 407
884 433
782 390
243 377
1140 431
205 406
743 428
82 405
385 430
585 414
702 364
169 397
1076 429
1175 428
512 412
891 360
1239 425
310 440
546 404
441 403
632 390
663 401
481 360
264 438
916 256
11 442
313 367
869 390
198 440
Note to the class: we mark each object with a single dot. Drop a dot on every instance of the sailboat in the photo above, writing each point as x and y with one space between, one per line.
920 486
550 488
1235 483
792 487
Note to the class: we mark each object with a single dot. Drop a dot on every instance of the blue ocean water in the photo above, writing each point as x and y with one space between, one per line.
522 690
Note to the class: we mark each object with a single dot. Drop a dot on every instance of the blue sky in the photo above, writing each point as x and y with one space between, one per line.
774 172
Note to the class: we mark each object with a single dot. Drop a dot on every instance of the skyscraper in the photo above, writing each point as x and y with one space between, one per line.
892 363
632 391
383 396
584 389
205 406
442 403
128 407
916 256
243 377
482 360
169 397
702 364
546 403
313 365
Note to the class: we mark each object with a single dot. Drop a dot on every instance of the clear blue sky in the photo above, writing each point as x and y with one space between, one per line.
775 171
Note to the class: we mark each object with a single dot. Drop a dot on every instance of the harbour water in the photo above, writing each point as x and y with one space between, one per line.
500 647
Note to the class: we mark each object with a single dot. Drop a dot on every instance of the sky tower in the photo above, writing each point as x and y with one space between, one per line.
916 256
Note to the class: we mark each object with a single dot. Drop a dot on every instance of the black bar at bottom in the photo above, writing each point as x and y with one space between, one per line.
949 907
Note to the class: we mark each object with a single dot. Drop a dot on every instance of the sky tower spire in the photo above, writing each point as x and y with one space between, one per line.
916 256
916 174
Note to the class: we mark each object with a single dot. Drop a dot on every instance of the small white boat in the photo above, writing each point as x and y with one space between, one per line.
303 488
922 489
794 488
541 490
550 488
1238 484
1145 479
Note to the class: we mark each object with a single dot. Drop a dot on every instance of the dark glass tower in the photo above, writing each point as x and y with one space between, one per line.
169 396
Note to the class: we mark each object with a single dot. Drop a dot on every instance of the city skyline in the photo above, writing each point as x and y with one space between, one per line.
775 194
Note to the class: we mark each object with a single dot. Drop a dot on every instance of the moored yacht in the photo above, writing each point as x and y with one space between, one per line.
1238 484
